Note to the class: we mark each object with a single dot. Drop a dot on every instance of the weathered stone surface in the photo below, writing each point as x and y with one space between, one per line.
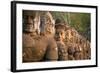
39 43
62 51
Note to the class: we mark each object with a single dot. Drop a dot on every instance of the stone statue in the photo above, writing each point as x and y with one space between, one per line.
37 47
60 36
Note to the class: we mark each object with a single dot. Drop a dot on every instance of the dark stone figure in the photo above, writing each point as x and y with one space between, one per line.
71 51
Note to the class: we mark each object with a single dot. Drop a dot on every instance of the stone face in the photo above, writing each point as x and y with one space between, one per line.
38 47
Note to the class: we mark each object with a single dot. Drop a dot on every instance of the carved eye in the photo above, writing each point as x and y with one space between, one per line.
61 33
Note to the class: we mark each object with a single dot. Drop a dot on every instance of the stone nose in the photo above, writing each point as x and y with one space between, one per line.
59 35
29 20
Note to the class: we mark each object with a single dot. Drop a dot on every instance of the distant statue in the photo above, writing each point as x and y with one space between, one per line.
60 37
77 47
47 25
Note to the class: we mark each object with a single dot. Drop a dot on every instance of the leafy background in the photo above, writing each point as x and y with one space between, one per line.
80 21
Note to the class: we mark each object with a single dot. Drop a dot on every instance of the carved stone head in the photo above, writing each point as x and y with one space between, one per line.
60 31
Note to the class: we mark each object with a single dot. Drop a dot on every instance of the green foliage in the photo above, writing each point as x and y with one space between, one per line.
80 21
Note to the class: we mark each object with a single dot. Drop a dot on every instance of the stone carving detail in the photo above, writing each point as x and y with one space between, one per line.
46 39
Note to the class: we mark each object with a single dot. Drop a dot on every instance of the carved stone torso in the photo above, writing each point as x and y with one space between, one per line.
39 47
62 51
